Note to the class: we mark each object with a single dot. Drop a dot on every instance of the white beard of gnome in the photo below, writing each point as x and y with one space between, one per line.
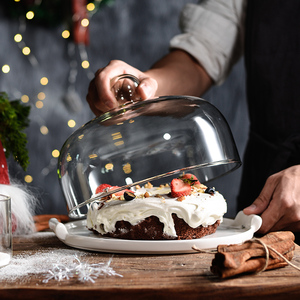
22 202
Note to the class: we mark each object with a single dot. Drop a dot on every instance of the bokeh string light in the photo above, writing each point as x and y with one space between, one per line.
41 96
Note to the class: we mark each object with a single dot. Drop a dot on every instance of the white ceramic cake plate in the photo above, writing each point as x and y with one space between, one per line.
76 235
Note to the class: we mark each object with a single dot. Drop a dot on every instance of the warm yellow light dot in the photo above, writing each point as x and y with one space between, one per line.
44 81
109 166
18 38
120 143
90 6
25 99
39 104
85 64
44 130
26 50
28 178
93 156
69 157
65 34
5 69
41 96
30 15
116 135
71 123
85 22
127 168
81 137
17 0
55 153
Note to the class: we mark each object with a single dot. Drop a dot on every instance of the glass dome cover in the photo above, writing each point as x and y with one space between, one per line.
141 141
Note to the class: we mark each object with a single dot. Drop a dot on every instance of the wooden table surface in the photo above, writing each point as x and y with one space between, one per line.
143 276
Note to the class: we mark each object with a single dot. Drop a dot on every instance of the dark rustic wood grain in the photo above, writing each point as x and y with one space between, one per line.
150 277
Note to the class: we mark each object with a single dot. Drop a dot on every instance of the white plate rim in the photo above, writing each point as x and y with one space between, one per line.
231 231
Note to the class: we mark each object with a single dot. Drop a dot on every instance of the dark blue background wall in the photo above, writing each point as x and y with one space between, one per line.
135 31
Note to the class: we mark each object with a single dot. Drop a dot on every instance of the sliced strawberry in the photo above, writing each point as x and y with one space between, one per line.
121 192
191 179
180 188
102 187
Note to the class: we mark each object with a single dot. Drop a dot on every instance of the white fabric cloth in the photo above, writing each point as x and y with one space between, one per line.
213 33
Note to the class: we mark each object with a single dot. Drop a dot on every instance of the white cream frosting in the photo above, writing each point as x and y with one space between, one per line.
196 209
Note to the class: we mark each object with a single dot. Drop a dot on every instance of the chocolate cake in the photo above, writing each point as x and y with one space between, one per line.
184 210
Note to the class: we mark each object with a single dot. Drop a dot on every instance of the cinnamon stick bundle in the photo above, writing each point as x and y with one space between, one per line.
251 256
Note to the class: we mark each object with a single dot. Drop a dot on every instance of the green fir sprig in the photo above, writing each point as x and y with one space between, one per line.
13 120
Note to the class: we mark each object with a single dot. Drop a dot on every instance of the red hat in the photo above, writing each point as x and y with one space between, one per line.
4 178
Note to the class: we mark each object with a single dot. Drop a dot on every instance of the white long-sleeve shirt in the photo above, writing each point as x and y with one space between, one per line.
213 33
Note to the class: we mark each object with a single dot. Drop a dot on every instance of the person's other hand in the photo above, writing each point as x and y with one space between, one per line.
101 98
279 202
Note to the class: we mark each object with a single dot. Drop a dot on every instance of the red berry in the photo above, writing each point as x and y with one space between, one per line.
191 179
180 188
102 187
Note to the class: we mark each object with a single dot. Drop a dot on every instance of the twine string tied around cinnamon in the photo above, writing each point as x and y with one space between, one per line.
267 248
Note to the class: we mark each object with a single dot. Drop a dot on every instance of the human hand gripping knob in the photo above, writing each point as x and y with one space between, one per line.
101 97
279 202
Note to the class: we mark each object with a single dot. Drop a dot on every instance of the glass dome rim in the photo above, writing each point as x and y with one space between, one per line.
237 163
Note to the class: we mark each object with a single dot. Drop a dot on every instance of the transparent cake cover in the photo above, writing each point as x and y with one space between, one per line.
152 140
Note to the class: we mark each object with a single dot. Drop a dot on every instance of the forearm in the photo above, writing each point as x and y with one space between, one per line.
179 74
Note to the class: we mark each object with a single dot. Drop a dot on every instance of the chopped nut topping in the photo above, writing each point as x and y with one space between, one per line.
199 188
146 195
137 187
148 185
181 198
159 196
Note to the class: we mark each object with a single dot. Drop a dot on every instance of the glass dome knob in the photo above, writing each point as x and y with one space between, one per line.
124 87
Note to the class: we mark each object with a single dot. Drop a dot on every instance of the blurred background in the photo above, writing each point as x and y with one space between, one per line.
50 70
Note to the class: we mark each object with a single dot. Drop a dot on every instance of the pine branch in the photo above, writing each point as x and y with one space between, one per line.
13 120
